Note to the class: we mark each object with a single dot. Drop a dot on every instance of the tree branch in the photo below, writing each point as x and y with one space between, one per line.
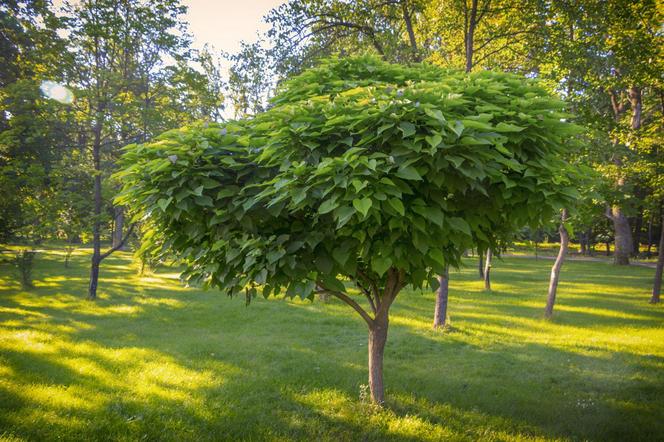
350 301
119 245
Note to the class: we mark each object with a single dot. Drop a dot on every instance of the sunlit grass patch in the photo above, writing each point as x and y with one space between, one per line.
154 360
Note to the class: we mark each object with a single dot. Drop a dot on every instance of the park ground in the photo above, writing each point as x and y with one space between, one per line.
153 360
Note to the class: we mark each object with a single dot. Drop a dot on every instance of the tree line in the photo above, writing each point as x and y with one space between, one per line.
132 74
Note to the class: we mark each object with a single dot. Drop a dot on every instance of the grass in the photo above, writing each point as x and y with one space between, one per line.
152 360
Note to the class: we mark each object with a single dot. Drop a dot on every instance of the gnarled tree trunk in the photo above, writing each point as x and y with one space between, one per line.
440 312
557 265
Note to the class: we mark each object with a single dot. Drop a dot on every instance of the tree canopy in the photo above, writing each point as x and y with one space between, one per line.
358 167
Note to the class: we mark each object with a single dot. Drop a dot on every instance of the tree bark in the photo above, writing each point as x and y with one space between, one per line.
480 264
378 325
377 341
440 312
470 35
557 265
119 227
657 285
487 270
96 225
623 237
409 28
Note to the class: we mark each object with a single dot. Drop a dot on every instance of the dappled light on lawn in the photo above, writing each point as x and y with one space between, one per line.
152 359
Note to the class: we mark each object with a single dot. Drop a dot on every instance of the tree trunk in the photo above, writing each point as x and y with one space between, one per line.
119 227
657 285
582 244
470 35
377 340
487 270
440 313
480 263
608 248
623 236
648 251
409 28
96 226
638 225
557 265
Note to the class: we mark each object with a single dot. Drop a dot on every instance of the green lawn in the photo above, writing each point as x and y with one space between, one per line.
152 360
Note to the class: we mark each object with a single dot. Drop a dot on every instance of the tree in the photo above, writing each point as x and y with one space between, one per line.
657 284
361 171
557 265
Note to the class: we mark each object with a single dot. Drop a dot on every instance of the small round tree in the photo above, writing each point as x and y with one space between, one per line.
362 174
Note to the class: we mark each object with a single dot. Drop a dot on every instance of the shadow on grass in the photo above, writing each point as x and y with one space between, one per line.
156 361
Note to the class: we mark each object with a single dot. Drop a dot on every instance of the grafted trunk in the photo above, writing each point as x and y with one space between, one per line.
377 341
623 236
557 265
487 270
657 285
440 312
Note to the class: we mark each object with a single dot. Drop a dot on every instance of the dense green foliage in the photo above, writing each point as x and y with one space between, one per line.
359 167
154 360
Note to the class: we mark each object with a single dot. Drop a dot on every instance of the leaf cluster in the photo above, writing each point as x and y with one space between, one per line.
359 167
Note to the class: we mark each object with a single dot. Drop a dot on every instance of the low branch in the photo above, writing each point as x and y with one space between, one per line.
350 301
119 245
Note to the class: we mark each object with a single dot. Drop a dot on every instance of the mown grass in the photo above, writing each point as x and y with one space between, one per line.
152 360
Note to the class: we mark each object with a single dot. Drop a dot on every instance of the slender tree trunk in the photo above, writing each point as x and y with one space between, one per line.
409 28
440 313
657 285
119 227
638 225
608 248
470 35
480 264
557 265
487 270
96 226
377 340
648 251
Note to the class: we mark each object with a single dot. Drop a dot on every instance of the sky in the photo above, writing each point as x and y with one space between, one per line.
224 23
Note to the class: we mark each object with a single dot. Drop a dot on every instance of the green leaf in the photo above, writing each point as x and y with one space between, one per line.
341 254
362 205
459 224
275 255
164 202
397 205
328 206
437 255
380 264
204 200
407 128
506 127
434 140
409 173
343 215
